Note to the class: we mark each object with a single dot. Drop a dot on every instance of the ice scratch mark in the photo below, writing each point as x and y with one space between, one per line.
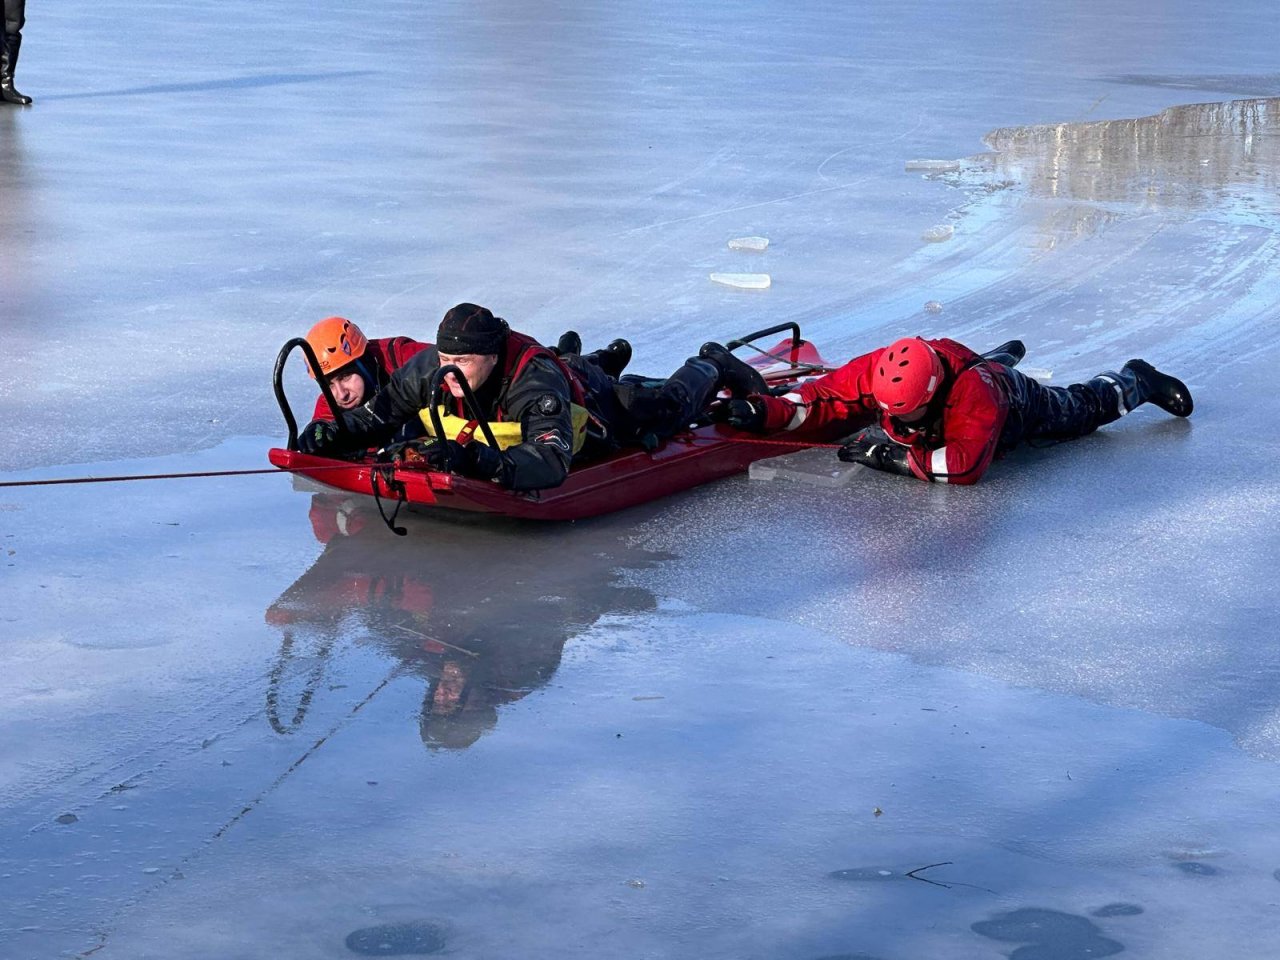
877 143
739 209
105 934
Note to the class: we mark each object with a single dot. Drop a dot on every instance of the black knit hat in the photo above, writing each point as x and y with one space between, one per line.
468 328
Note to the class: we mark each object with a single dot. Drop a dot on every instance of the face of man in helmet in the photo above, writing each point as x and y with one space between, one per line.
476 367
915 416
347 387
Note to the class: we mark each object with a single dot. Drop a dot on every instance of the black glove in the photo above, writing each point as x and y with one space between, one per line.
745 414
481 462
443 455
318 437
406 451
475 460
872 448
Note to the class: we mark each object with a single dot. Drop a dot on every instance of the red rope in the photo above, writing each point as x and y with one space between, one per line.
687 438
171 476
691 438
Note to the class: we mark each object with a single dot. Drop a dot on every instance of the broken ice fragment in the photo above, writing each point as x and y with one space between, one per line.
943 231
816 467
933 306
743 281
754 244
934 166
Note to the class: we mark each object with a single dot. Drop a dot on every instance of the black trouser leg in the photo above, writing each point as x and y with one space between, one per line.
1038 412
652 410
14 17
686 394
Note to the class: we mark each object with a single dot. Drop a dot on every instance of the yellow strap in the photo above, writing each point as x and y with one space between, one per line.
506 433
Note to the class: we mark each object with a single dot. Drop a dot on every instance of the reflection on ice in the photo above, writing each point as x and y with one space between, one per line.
1184 158
478 624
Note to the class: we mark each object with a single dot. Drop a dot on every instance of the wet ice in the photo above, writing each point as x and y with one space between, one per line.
1088 628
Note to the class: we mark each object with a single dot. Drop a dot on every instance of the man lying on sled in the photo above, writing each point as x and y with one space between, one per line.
544 409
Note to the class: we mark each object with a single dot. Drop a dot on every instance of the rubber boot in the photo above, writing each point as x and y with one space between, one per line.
1138 382
1007 354
9 48
1168 393
569 342
739 378
613 359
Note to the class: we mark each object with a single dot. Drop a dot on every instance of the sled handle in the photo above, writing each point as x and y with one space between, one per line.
470 403
791 325
277 381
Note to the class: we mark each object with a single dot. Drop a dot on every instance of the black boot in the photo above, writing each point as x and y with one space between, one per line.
1007 354
739 378
1168 393
569 342
1138 382
613 359
9 48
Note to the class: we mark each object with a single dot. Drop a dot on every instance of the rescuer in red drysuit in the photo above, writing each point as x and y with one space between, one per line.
946 411
354 366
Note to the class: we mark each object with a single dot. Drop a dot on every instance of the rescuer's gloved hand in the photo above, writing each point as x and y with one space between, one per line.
406 451
318 437
480 462
744 413
872 448
444 455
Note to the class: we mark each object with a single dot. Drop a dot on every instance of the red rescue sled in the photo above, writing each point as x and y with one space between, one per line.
629 477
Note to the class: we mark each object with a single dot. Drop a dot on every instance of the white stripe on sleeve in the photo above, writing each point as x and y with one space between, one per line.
802 410
938 464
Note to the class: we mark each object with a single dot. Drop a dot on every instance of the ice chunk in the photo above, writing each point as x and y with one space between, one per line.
933 306
817 467
754 244
743 281
934 166
943 231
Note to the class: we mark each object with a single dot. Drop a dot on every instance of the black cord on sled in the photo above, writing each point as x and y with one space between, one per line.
374 474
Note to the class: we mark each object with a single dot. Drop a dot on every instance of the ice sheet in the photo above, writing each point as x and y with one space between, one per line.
283 732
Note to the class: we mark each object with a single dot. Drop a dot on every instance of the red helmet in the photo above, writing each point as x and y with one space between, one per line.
336 342
906 376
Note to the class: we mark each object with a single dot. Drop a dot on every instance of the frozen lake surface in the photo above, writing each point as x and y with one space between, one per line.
767 719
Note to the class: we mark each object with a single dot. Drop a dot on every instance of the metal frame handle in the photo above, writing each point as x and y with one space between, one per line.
469 401
796 340
278 383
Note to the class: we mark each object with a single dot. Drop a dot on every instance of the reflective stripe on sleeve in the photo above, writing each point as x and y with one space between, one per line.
938 464
802 410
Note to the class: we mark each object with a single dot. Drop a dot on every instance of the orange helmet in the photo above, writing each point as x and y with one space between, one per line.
906 376
336 342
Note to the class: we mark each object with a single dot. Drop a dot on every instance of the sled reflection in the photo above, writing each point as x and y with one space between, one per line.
480 614
1186 157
